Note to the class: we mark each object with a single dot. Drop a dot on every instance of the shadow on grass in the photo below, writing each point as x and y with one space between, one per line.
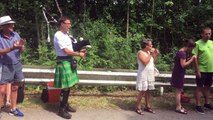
34 101
125 102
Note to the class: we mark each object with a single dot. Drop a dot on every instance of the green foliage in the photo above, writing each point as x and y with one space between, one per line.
1 9
109 49
101 88
44 56
165 62
105 24
112 88
34 88
28 55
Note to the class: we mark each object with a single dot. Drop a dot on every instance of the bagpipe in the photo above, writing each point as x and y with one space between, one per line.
78 45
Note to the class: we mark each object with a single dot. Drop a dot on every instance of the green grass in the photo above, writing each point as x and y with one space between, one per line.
107 100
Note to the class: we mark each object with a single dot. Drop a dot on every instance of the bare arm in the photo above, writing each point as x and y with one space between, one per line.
16 45
184 63
197 70
6 50
145 60
73 53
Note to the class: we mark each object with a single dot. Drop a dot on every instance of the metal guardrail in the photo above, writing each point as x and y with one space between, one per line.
35 75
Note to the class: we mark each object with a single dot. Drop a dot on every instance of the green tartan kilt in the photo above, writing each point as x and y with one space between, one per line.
64 77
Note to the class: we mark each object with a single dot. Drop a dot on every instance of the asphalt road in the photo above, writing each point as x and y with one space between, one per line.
107 114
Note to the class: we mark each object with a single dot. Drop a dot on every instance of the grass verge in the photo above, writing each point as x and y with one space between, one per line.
108 100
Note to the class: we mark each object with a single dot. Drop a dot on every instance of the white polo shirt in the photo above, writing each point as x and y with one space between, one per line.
61 41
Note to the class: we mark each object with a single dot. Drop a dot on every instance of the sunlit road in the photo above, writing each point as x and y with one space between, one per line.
107 114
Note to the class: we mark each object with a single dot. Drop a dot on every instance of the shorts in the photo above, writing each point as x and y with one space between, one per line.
205 80
11 73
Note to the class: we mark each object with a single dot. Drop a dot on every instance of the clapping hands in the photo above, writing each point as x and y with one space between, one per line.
18 44
194 57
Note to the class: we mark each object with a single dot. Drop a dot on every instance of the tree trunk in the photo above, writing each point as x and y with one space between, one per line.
37 27
153 8
84 14
127 21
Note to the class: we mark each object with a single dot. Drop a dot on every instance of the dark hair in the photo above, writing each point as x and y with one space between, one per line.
62 19
144 42
189 42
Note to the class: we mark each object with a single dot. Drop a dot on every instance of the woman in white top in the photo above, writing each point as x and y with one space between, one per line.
145 75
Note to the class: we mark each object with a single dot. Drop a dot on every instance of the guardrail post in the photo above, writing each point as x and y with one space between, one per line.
161 91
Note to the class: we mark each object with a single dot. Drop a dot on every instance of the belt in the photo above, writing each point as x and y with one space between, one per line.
64 57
